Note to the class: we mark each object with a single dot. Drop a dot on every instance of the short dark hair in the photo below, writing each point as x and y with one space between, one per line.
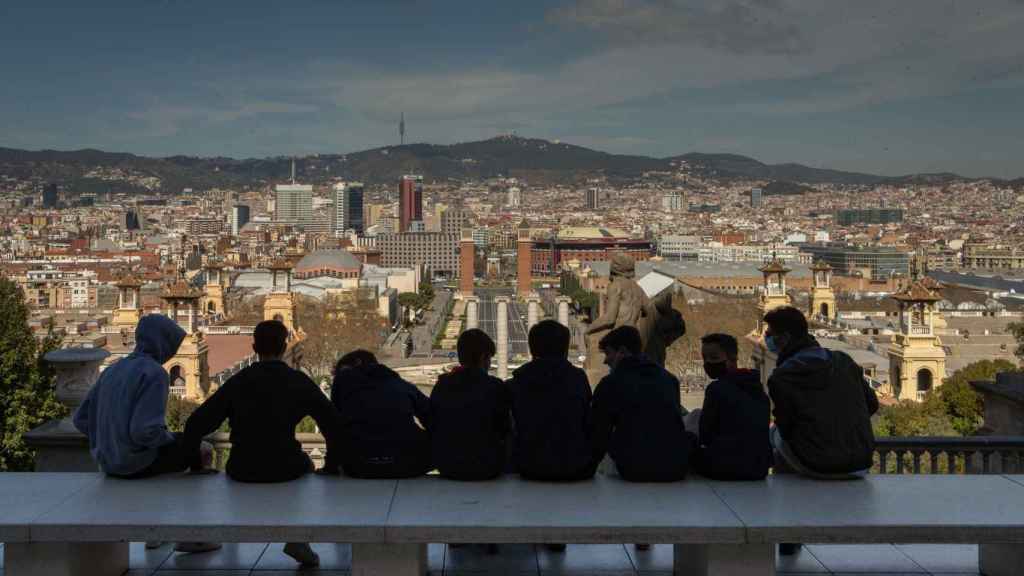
549 339
787 320
473 344
726 342
270 338
626 337
356 358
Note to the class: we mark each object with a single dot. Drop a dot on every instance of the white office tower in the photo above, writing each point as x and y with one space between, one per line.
293 203
515 197
593 198
672 202
239 218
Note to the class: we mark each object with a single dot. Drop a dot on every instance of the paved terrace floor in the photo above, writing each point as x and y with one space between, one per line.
597 560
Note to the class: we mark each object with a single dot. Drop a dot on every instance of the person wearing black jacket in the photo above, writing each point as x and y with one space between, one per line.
823 404
638 401
735 418
263 404
551 410
379 413
469 414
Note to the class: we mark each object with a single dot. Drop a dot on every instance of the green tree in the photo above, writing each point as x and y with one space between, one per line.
962 403
178 411
1017 329
427 292
26 383
306 426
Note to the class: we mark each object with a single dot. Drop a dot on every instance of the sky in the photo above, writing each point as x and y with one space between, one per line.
880 86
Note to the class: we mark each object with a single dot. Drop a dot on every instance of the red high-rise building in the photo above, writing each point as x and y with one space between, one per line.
410 201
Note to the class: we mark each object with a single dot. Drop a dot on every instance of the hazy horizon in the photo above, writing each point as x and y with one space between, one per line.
876 87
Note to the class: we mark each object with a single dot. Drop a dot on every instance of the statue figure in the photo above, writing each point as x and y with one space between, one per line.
627 305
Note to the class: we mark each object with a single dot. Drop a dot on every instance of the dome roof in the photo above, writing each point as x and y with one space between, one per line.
321 259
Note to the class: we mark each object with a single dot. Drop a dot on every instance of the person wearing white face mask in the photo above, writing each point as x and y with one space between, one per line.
822 405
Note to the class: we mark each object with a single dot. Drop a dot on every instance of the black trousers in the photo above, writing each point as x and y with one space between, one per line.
170 459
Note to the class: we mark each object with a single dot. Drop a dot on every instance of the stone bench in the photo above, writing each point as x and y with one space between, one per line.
76 524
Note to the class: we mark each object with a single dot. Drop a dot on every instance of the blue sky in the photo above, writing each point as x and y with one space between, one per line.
876 85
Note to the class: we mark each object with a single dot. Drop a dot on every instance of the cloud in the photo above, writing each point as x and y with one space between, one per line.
167 118
742 27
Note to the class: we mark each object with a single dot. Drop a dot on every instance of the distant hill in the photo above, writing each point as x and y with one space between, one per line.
780 188
734 165
539 161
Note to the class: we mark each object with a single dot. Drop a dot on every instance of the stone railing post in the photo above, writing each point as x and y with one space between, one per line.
502 343
59 446
563 310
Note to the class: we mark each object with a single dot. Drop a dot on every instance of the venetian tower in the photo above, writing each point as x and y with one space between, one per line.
213 301
129 303
917 360
280 303
822 302
189 369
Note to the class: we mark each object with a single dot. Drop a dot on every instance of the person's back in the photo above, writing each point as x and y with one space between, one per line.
822 404
551 410
637 414
124 415
469 419
378 418
263 404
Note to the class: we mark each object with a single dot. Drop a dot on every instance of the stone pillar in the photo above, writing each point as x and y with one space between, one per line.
502 343
563 310
532 311
1004 404
467 260
472 313
59 446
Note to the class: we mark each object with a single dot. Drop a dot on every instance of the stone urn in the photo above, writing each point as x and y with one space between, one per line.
77 369
58 445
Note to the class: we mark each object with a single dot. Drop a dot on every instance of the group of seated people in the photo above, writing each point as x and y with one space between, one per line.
544 423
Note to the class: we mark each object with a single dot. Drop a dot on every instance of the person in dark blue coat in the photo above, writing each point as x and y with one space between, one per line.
469 414
733 435
384 420
637 415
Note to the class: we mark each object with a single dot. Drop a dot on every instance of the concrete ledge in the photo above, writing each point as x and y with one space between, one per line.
604 510
879 509
214 508
24 497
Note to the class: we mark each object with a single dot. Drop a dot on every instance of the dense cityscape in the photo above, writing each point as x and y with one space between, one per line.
549 288
371 251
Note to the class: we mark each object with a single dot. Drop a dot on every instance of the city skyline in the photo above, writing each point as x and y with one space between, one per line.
875 88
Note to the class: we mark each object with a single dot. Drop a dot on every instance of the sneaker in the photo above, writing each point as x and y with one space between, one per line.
555 547
197 547
303 554
154 544
789 549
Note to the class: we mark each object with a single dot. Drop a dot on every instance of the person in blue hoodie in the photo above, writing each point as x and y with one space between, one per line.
124 414
734 421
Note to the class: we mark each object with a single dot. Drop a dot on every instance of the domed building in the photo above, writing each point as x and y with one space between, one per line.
331 263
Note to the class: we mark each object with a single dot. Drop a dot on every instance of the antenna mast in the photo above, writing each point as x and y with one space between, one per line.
401 129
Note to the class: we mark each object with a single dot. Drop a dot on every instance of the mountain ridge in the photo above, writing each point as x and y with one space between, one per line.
534 159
